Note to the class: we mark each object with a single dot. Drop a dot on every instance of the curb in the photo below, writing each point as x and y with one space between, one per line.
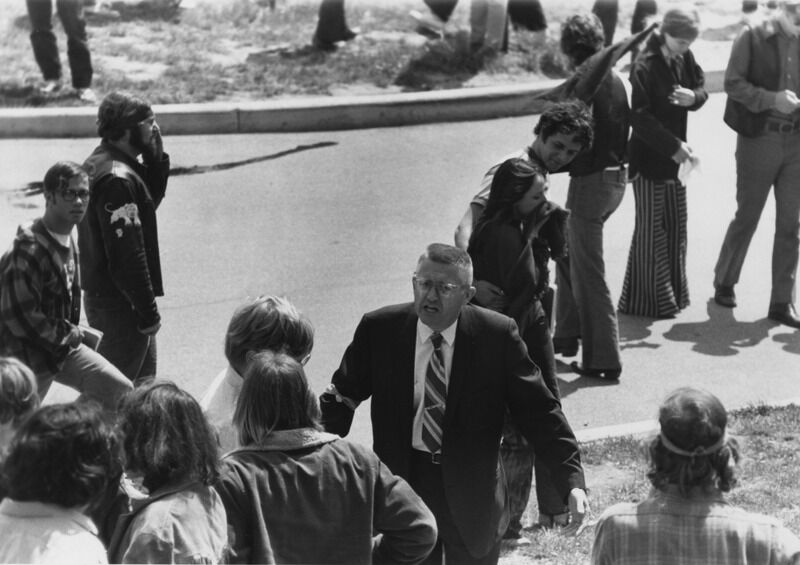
648 427
307 114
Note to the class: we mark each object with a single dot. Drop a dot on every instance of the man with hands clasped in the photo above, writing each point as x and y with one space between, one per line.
119 237
761 80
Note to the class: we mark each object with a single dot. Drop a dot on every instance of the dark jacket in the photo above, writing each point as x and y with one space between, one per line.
305 496
752 78
118 237
611 115
658 125
39 311
491 373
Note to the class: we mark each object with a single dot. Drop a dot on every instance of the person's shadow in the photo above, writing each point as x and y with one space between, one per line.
722 334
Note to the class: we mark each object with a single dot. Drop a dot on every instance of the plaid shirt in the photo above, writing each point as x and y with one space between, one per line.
39 311
668 529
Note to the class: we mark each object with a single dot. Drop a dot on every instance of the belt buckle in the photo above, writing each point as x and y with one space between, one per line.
436 458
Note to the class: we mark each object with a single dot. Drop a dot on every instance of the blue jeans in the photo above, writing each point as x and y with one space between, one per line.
123 344
584 307
92 375
771 159
43 40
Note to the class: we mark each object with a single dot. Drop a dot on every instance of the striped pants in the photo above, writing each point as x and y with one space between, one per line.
655 279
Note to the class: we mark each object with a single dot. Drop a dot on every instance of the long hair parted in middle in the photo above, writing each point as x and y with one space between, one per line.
167 438
512 180
275 396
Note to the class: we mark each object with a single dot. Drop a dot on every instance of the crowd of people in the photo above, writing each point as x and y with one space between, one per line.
464 400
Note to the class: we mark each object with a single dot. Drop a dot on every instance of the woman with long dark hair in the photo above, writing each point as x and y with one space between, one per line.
513 240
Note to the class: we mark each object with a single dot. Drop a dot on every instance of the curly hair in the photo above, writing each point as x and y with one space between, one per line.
693 450
581 37
64 454
166 437
572 117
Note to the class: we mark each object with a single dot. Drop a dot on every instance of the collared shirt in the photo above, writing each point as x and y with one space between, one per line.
667 528
35 532
218 404
755 98
422 355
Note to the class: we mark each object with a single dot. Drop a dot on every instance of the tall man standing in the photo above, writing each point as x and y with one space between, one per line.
119 238
762 81
441 375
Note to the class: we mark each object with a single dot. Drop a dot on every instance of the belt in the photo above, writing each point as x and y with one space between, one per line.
783 127
617 171
427 456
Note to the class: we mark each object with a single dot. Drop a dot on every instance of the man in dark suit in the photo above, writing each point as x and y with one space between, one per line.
442 375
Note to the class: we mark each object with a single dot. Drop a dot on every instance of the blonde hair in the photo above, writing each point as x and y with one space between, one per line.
19 393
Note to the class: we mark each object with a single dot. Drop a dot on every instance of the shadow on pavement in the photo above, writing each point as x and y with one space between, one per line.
635 329
722 334
568 387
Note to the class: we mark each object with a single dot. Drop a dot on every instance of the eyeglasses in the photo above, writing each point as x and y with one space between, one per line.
443 289
70 194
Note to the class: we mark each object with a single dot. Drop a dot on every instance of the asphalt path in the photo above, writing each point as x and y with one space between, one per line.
336 220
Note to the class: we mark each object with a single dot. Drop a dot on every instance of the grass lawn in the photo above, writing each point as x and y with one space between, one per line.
239 50
615 469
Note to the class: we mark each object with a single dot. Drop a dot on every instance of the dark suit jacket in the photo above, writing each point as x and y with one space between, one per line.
491 371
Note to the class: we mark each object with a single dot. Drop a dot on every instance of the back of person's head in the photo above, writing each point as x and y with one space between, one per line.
63 454
119 112
19 394
693 449
571 117
166 437
681 23
581 37
275 396
267 323
58 176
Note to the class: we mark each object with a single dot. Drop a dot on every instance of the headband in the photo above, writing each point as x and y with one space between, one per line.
698 451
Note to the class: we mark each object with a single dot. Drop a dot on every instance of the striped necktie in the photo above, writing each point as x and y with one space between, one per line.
435 395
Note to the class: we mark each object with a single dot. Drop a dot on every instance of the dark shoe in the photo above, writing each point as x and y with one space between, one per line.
607 374
724 296
320 45
784 314
349 35
566 346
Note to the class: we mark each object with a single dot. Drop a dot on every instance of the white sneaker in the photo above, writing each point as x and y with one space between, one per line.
86 95
50 86
428 24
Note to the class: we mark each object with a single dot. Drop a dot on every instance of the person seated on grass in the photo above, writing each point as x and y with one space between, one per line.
295 494
686 519
267 323
61 460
